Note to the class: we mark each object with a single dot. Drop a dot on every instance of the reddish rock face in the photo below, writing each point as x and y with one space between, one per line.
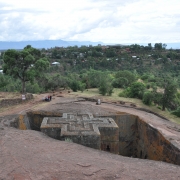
151 144
32 155
142 140
128 135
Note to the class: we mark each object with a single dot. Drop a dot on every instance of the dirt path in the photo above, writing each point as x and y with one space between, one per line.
18 108
36 102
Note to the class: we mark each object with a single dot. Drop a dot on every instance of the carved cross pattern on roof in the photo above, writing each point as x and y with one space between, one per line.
78 124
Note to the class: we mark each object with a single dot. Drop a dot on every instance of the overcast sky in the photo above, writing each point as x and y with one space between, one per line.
108 21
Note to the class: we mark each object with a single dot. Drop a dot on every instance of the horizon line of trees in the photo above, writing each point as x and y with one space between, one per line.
30 69
146 89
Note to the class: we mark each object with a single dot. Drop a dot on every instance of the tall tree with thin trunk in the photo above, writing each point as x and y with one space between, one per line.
170 90
25 64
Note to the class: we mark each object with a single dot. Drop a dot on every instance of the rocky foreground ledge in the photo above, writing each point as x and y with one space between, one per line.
29 154
32 155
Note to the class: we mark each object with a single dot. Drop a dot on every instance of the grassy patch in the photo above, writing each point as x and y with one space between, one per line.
9 95
95 93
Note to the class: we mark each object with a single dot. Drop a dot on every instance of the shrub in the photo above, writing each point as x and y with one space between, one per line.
151 79
11 88
125 93
148 86
3 81
126 77
158 98
176 112
33 88
74 85
148 98
105 88
178 95
82 86
137 90
120 82
144 77
110 91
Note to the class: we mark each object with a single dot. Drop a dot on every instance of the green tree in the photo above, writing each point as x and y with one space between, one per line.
93 78
145 77
149 46
74 85
137 90
170 90
147 98
158 46
33 88
120 82
110 53
157 97
164 46
3 81
177 112
105 88
125 77
24 65
82 86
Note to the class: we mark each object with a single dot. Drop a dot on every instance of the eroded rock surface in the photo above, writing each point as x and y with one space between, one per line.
32 155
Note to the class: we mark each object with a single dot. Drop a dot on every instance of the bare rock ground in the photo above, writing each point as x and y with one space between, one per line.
33 156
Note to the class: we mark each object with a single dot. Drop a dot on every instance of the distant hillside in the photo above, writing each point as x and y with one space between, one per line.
169 45
60 43
43 44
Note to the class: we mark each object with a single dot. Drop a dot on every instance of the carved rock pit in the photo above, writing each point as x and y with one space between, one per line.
122 134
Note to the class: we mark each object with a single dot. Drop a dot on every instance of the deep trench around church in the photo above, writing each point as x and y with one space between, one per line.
136 138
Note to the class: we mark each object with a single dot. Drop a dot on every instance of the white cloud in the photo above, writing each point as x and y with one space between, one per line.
115 21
